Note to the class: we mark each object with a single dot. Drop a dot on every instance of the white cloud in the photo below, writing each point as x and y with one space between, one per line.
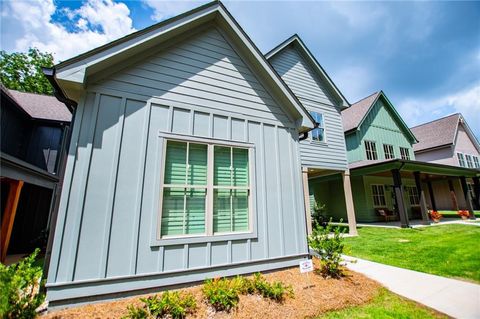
163 9
467 102
30 24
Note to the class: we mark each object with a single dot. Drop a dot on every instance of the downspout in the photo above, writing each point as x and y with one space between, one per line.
72 106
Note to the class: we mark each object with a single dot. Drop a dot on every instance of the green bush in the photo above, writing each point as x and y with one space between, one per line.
328 244
222 293
20 288
276 291
171 304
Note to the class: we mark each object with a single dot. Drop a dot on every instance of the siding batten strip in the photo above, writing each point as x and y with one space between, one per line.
141 181
185 256
113 187
209 254
84 184
279 192
263 164
295 188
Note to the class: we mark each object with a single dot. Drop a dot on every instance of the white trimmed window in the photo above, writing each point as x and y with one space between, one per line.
371 150
205 190
318 134
476 162
405 153
461 160
388 151
413 197
471 190
378 195
468 159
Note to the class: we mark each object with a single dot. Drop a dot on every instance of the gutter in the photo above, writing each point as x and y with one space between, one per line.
57 91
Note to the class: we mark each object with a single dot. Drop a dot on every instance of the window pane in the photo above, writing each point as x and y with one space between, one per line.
222 217
175 163
222 172
172 211
197 160
195 214
240 210
240 167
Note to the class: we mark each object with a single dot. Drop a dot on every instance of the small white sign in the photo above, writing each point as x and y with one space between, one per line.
306 266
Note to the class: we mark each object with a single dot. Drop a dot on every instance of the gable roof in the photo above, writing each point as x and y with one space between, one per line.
354 116
72 74
441 132
296 42
39 106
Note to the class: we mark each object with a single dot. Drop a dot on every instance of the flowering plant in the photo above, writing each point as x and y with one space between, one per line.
435 215
463 213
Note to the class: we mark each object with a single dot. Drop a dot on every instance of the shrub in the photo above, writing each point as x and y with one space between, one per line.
328 244
276 291
222 293
20 288
435 215
172 304
318 215
464 213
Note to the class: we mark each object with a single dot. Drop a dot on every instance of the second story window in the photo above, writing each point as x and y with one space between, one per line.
371 150
318 134
405 153
476 162
468 159
388 151
461 160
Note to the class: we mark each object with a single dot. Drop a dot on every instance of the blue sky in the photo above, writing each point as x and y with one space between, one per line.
424 55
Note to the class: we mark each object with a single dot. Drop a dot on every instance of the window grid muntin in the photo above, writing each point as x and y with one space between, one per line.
468 160
210 188
461 160
476 161
413 197
405 153
378 195
388 151
371 150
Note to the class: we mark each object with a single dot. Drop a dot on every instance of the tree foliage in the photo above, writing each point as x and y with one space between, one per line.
22 71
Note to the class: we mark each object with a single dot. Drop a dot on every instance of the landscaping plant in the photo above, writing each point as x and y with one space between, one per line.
20 288
436 216
171 304
464 214
328 244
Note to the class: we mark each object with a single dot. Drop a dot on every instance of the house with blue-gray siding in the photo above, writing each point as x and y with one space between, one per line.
323 153
184 162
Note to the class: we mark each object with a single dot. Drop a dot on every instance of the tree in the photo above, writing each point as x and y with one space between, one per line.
23 71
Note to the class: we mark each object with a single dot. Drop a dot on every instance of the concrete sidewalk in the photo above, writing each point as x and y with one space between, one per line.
455 298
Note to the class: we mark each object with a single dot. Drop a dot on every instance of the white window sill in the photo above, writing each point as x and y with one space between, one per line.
192 239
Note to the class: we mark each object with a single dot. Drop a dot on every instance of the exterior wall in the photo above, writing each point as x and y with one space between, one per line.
105 240
328 191
443 199
314 96
440 156
463 144
380 127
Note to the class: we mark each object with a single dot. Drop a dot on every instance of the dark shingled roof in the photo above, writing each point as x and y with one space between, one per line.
436 133
353 115
38 106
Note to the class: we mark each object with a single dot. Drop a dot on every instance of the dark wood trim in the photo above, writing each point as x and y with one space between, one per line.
399 199
9 216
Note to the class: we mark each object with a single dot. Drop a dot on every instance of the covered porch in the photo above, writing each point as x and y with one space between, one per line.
404 190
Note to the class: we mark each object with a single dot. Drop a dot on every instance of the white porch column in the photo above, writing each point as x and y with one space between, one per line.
347 190
306 198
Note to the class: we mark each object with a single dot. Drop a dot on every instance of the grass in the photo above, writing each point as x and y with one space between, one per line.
384 306
446 250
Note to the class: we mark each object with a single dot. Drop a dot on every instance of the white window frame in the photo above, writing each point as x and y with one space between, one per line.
461 160
378 195
404 153
321 125
208 236
469 160
372 149
476 161
471 189
390 152
412 193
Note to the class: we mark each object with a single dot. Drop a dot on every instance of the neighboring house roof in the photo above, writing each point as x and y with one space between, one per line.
72 74
354 116
39 106
441 132
297 42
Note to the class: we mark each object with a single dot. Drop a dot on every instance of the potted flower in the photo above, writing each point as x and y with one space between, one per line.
464 214
435 216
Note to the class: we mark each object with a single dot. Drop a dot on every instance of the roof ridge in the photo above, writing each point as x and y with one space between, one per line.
436 120
377 92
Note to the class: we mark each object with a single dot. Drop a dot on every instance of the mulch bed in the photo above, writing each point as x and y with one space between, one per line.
313 295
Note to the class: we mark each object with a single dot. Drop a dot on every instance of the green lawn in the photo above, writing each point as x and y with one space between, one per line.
446 250
384 306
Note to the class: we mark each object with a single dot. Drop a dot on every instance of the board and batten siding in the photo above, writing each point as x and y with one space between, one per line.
105 242
314 96
381 127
